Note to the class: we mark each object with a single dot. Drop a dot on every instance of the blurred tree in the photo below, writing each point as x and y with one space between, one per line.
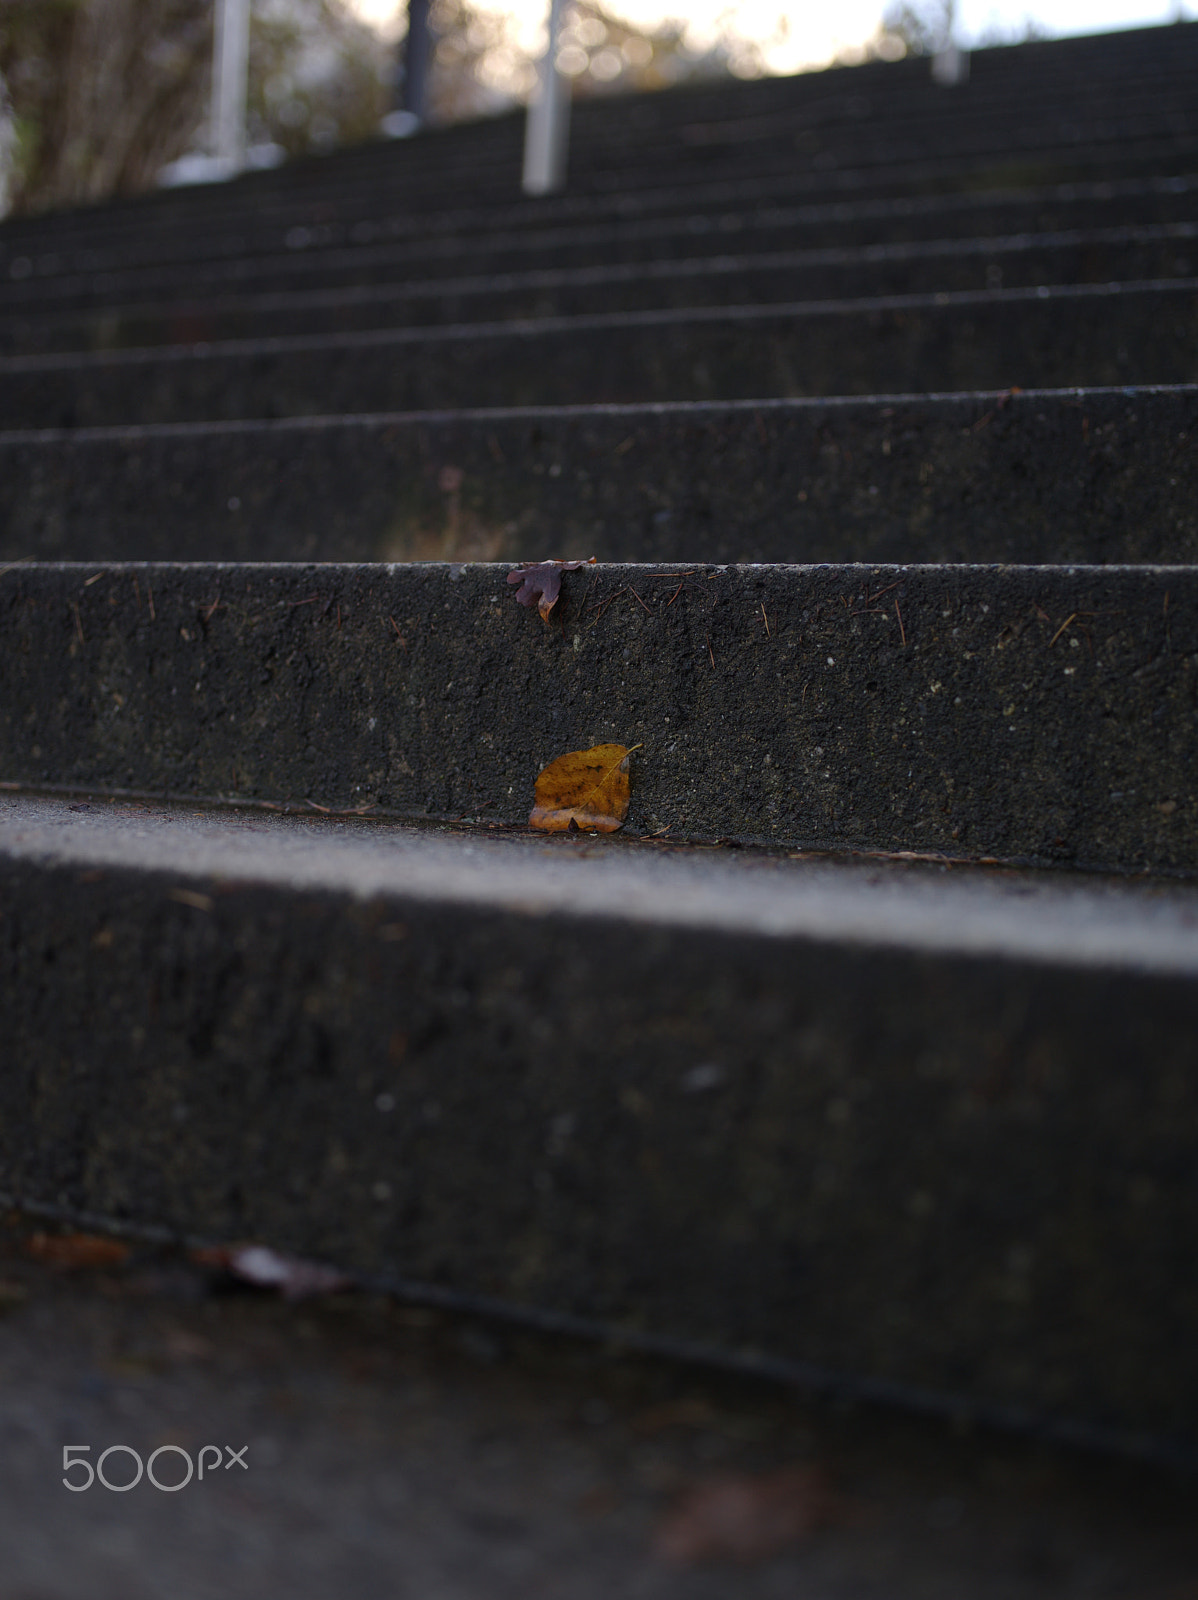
105 93
924 26
603 54
479 69
476 69
319 76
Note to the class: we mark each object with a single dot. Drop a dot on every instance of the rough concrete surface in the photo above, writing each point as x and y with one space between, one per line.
926 1137
1091 334
1061 94
1044 476
852 141
749 213
1106 255
1040 714
396 1452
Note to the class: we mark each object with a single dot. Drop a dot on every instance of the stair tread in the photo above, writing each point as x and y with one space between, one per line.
929 905
863 1054
1046 475
1034 713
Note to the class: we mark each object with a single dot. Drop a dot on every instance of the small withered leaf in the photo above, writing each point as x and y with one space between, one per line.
588 788
294 1277
542 581
746 1519
77 1250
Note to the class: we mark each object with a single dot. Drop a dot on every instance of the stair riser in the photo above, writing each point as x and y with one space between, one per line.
887 144
983 342
1121 83
1101 74
1003 263
1094 477
794 149
1033 714
937 1173
457 248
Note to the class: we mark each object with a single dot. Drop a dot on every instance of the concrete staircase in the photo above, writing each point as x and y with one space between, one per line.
865 1055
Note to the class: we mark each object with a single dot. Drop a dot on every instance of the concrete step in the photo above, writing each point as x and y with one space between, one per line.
1036 714
930 1131
891 157
1090 476
849 117
461 1450
1104 255
28 269
709 219
806 1070
1089 335
1066 69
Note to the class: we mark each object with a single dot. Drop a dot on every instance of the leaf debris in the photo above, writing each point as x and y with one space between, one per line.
745 1519
73 1250
542 581
294 1277
584 789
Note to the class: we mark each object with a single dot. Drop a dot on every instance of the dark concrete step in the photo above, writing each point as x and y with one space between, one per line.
1093 476
313 262
1047 76
1062 70
1085 335
839 127
930 1132
1099 256
956 147
1042 714
463 1449
200 244
994 142
1026 85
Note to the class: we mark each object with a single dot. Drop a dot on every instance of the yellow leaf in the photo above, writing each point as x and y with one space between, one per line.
588 788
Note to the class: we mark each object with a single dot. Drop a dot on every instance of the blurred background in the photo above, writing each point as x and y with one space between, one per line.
98 97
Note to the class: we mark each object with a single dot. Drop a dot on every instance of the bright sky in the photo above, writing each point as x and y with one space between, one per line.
794 36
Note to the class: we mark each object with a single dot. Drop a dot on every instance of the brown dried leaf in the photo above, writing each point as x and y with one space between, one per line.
542 581
745 1519
588 788
77 1250
294 1277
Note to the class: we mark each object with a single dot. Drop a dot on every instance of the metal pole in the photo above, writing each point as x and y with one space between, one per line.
950 65
230 81
417 52
547 131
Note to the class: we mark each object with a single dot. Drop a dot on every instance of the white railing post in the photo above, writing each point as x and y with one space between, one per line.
547 131
950 65
230 82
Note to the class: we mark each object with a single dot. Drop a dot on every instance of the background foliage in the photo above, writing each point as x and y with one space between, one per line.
98 96
102 94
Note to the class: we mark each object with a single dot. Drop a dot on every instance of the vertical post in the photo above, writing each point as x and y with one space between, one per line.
950 65
547 132
230 81
417 52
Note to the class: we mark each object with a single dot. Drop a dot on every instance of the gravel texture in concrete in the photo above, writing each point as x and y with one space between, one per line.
1092 476
1101 255
1089 334
306 253
877 1126
1029 713
395 1451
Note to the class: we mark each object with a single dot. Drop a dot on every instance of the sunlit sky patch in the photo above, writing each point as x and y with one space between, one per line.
792 37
